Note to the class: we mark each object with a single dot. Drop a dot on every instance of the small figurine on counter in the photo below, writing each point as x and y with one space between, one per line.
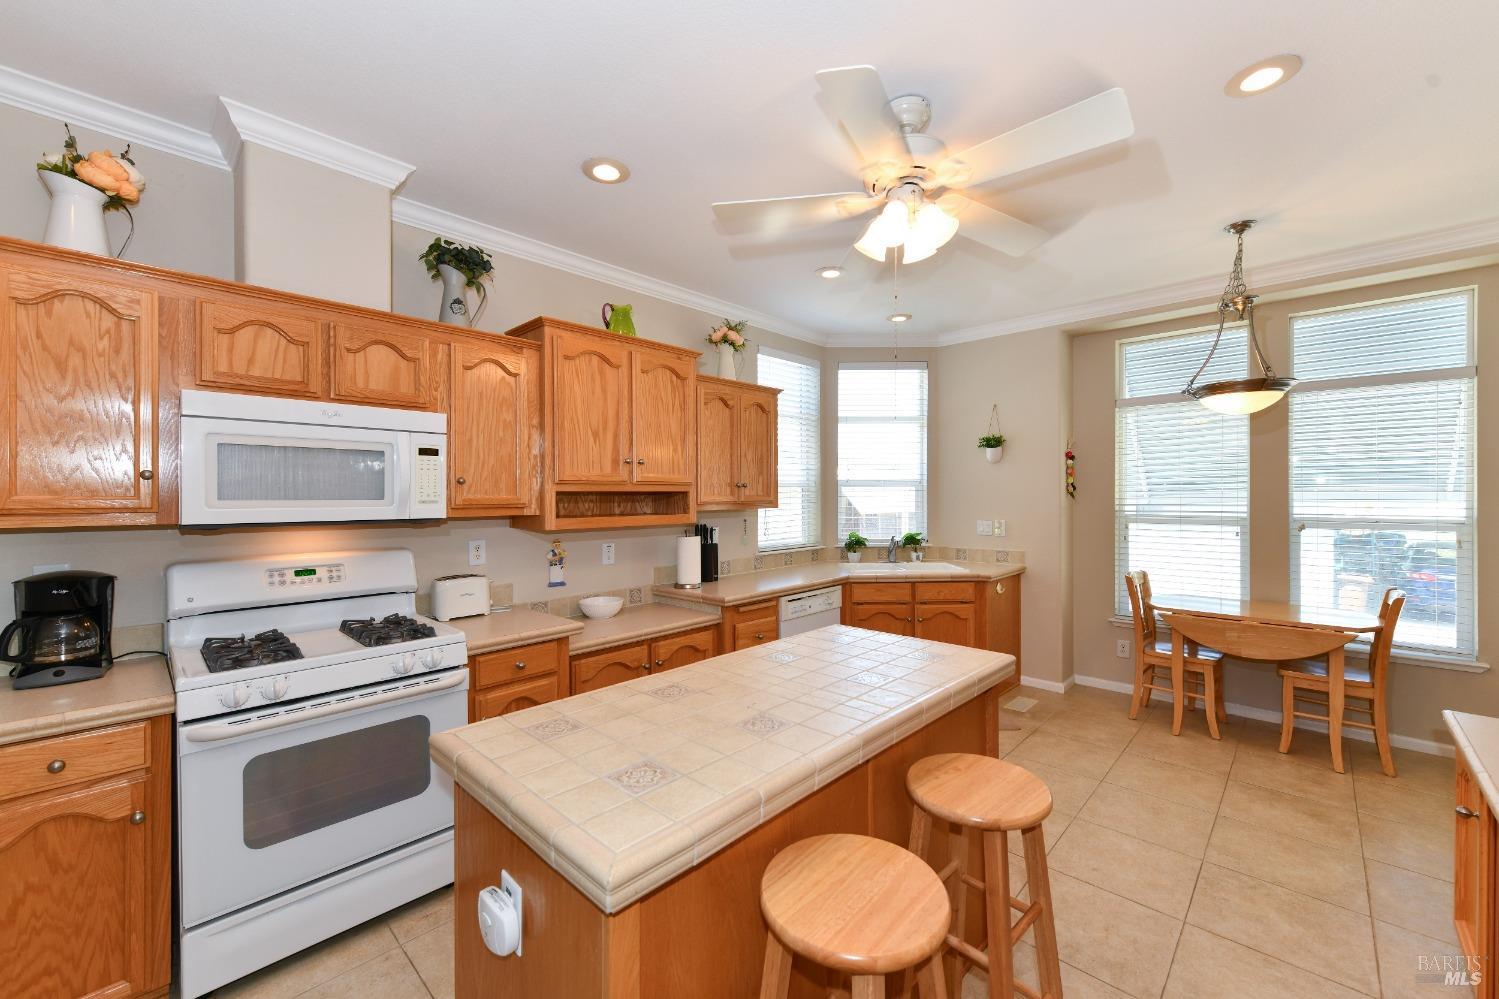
556 561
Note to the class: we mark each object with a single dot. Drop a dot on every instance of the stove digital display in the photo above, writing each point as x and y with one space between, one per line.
304 572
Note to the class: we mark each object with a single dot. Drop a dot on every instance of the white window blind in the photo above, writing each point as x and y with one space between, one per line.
794 522
882 412
1181 483
1382 465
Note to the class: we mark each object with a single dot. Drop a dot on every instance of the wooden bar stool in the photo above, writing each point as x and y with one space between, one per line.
857 905
995 798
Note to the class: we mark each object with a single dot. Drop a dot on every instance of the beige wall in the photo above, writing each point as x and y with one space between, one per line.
182 222
1418 692
306 228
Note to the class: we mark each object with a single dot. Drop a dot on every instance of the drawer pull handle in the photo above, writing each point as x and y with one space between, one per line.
147 474
520 665
1466 812
999 588
56 766
136 818
461 480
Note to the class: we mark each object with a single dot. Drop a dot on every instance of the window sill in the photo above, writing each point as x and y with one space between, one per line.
1459 664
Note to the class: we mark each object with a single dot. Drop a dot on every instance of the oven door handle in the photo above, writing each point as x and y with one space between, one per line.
217 732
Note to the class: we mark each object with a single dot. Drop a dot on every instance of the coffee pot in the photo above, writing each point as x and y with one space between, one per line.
61 630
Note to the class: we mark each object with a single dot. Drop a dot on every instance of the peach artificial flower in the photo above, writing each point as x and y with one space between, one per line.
736 339
95 176
128 192
105 160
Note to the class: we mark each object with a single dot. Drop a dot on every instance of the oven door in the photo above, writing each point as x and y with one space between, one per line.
247 472
268 800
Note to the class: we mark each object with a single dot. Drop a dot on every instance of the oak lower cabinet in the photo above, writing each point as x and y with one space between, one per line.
748 625
86 856
495 445
78 391
737 464
684 649
983 614
516 679
895 619
1475 887
246 346
628 662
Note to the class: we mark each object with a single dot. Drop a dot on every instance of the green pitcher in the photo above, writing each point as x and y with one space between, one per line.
617 319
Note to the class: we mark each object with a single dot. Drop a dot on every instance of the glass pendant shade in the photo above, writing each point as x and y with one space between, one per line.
890 228
930 231
1242 397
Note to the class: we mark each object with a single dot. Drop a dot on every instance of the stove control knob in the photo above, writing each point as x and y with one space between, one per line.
235 697
275 688
406 664
433 659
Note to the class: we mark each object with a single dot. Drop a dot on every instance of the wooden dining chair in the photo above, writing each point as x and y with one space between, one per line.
1203 666
1305 682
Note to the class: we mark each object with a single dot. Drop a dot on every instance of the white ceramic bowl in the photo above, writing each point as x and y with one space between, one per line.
600 607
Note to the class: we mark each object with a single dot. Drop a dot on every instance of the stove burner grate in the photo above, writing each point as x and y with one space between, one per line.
388 630
239 652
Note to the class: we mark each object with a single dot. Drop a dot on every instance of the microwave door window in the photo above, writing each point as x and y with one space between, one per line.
259 474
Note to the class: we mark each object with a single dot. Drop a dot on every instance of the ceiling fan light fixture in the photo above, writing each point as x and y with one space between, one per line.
603 170
931 229
1243 396
1265 75
871 247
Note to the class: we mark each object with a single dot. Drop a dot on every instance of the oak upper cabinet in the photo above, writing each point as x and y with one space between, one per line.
661 391
494 427
78 393
247 347
736 445
379 365
590 397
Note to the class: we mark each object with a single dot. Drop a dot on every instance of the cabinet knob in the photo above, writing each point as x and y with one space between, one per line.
461 480
759 636
660 662
147 474
629 461
521 664
918 620
1466 812
646 667
640 461
908 619
56 766
136 818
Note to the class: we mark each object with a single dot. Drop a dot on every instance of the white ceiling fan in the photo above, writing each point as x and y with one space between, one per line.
910 176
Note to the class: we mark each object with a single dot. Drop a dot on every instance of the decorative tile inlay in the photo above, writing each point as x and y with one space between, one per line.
869 679
636 595
637 778
763 724
920 655
788 560
540 606
723 567
670 692
961 555
782 657
553 727
816 555
759 563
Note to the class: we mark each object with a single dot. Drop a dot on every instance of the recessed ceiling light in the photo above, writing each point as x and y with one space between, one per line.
605 170
830 272
899 317
1267 74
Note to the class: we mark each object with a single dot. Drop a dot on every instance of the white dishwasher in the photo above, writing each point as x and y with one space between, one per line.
802 612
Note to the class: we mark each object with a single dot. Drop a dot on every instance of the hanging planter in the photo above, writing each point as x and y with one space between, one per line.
993 442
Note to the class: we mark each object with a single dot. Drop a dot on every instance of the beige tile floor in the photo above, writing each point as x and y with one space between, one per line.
1181 867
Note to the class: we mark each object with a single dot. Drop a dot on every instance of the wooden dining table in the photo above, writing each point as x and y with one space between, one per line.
1354 624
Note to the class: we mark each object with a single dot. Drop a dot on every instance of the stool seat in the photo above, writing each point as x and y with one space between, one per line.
855 904
979 792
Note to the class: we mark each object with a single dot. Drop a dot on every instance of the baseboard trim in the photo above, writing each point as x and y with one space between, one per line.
1050 685
1427 746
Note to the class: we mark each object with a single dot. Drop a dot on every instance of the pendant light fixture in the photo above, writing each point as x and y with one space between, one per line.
1239 396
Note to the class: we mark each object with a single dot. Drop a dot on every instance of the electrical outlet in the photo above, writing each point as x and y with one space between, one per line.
744 529
1121 648
999 528
608 553
476 552
37 570
986 528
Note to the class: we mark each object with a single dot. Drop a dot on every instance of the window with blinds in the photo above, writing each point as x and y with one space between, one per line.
1181 471
794 522
1382 464
881 449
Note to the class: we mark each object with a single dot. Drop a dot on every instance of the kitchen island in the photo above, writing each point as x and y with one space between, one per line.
638 819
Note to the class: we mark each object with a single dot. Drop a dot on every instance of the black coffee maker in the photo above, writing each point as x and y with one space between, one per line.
61 630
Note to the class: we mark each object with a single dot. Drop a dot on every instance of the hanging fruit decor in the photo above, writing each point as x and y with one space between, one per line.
1071 473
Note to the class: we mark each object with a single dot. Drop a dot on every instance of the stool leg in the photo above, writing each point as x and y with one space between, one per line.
775 980
997 916
957 893
921 832
1039 886
929 975
869 987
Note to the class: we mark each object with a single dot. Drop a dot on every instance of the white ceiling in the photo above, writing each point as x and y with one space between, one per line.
1385 134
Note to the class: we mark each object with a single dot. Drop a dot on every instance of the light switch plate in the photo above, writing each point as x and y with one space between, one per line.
608 553
986 528
999 528
476 554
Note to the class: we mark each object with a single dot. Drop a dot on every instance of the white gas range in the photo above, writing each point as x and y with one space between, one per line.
307 688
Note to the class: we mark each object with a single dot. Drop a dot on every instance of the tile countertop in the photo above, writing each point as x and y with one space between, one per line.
1477 738
509 628
751 586
624 788
134 688
635 623
522 626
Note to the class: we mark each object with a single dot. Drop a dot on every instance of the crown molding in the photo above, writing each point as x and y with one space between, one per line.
467 230
235 124
43 97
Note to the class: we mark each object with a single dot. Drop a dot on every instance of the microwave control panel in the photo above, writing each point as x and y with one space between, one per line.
305 575
429 475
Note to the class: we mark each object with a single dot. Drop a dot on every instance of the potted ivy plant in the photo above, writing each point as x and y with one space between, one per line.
457 267
994 446
913 540
855 545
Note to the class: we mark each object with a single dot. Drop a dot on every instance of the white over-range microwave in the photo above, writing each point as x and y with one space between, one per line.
250 459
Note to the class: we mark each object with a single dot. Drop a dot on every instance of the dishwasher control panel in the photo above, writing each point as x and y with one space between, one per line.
807 604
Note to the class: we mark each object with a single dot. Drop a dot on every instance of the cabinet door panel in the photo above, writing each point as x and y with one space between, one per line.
1474 888
661 416
77 394
951 623
252 349
602 669
1004 613
757 449
497 701
490 427
682 650
590 409
893 618
717 444
383 367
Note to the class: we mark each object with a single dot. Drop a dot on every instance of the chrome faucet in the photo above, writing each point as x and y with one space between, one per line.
890 551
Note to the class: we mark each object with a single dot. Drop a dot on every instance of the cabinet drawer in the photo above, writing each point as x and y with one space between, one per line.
510 697
28 767
523 662
879 593
603 669
748 634
947 593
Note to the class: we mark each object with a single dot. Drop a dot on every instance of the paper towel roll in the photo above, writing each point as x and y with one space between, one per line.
689 562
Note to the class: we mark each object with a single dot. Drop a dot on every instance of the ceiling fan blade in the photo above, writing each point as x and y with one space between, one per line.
995 229
1088 124
856 95
772 215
